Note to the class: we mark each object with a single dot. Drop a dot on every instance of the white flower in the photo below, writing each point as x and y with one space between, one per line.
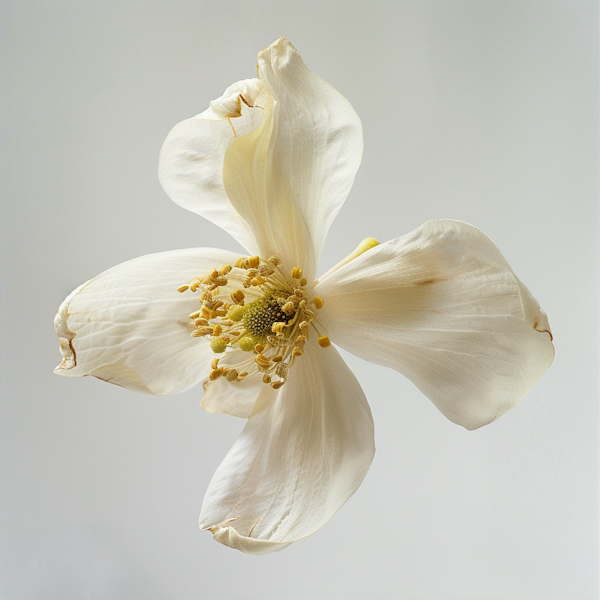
272 161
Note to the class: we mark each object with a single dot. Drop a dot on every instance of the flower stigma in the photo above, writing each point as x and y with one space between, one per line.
259 308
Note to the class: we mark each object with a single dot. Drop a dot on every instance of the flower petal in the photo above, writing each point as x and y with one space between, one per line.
130 326
300 457
442 306
190 165
235 398
290 177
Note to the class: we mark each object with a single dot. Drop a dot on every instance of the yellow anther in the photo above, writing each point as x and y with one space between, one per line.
324 341
214 363
262 361
301 338
266 378
274 260
258 348
182 288
297 351
217 330
278 327
195 284
197 333
225 269
195 315
258 280
215 374
200 322
296 273
318 301
288 308
221 281
218 345
277 358
277 384
242 375
253 262
303 281
231 375
237 296
239 263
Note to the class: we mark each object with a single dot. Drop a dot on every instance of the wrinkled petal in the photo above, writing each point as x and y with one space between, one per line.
275 171
299 458
190 165
442 306
130 326
235 398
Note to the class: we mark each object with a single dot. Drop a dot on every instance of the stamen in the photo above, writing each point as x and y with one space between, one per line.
260 331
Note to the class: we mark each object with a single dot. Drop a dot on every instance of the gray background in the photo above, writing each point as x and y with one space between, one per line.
481 111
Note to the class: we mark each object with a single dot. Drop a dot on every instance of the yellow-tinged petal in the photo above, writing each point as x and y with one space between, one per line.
442 306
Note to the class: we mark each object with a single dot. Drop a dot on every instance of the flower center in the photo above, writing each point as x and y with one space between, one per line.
269 321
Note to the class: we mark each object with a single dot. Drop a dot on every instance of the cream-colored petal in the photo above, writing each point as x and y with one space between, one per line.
236 398
290 177
190 165
442 306
299 458
130 326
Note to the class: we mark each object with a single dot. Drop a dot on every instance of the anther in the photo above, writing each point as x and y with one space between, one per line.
277 327
274 260
217 330
215 374
303 281
240 262
296 273
318 301
225 269
182 288
277 384
297 351
253 262
237 296
232 375
324 341
214 363
288 308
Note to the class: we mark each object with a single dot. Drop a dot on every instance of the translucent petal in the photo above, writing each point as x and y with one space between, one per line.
130 326
190 165
235 398
442 306
300 457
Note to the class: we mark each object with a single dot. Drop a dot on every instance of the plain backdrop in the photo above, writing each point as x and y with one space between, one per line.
481 111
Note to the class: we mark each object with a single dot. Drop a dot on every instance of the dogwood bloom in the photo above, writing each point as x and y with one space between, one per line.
271 161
